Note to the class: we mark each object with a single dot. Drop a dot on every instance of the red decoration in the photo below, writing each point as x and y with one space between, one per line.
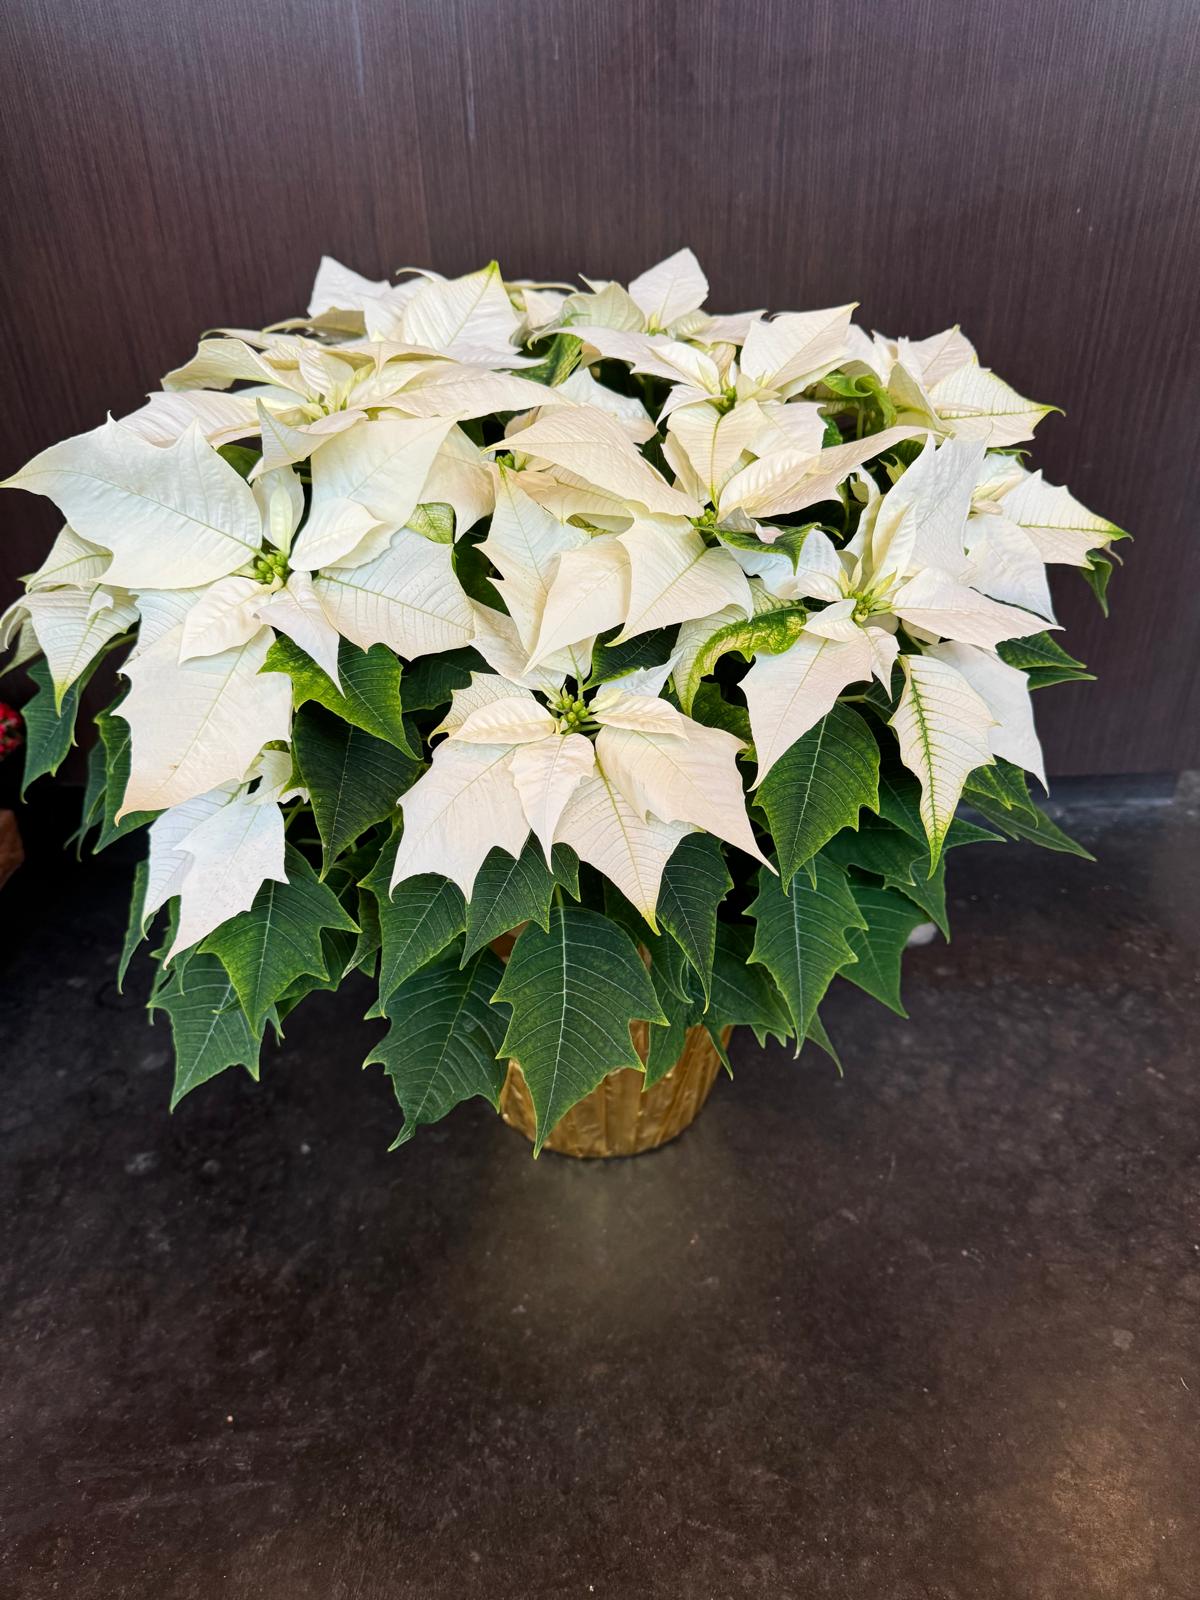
12 730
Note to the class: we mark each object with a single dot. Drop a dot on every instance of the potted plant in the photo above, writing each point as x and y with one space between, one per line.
593 674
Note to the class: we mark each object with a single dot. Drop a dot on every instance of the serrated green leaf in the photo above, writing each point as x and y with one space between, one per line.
819 786
666 1041
473 571
1096 575
559 362
49 734
135 928
817 1035
430 682
1043 659
611 661
694 883
710 707
354 780
902 861
801 937
1007 804
444 1038
574 991
416 923
770 631
879 947
264 950
743 996
900 804
369 697
114 734
208 1026
511 890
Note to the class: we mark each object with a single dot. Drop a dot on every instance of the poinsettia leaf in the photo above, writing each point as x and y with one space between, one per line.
1096 575
900 804
770 631
1004 785
135 928
369 697
695 882
817 1035
208 1026
240 457
430 682
801 937
666 1041
416 922
264 950
49 734
574 990
742 995
559 361
611 661
1005 802
878 947
353 779
115 739
444 1037
1044 659
511 890
710 707
818 787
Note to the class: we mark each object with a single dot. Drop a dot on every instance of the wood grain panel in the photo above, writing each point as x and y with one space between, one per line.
1027 170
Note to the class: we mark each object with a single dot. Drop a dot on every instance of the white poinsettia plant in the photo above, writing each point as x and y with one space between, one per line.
675 641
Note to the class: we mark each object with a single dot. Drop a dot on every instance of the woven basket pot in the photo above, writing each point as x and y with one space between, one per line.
619 1118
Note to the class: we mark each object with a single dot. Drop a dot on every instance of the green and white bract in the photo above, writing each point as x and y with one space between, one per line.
453 602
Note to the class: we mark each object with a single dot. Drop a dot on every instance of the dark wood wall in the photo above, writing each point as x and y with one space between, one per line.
1026 168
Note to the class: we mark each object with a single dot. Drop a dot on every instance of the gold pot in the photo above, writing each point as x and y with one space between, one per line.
619 1117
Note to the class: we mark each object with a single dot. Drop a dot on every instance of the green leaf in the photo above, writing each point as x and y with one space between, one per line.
264 950
416 923
879 947
710 707
430 682
370 694
900 804
902 861
443 1041
770 631
433 521
801 937
742 995
1096 575
611 661
1006 802
818 787
135 928
208 1026
694 883
115 735
1043 659
788 541
817 1035
511 890
666 1042
472 570
354 780
559 362
574 991
49 734
240 457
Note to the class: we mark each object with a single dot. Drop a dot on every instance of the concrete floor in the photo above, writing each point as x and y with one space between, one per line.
928 1333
